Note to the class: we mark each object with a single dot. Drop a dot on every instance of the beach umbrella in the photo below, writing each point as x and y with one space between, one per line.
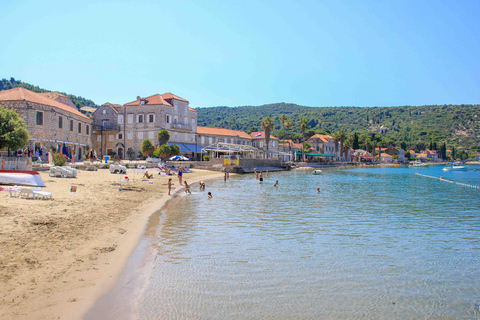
175 158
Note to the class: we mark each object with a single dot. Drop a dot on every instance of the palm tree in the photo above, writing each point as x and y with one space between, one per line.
283 120
288 124
303 128
267 126
342 136
163 136
347 145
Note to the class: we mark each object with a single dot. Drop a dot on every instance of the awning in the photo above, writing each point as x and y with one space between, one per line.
188 147
315 154
367 157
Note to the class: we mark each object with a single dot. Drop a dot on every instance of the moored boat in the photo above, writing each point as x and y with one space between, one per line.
21 178
418 164
456 166
318 171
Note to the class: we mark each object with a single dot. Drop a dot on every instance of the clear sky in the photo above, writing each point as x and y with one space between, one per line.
234 53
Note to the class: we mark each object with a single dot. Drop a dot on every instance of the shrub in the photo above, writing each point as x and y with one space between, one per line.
59 159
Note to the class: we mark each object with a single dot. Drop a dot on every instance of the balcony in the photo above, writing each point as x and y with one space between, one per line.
110 126
181 127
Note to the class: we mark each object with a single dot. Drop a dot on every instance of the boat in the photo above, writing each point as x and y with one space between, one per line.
21 178
456 166
316 172
418 164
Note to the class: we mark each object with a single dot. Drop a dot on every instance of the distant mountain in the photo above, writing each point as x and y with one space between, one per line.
457 125
78 101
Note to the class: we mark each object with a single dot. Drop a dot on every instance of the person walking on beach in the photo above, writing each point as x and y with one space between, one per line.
180 174
187 188
169 184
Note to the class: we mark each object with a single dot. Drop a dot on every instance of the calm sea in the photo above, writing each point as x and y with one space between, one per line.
375 243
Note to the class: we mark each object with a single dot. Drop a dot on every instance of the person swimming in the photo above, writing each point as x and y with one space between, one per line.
210 195
318 190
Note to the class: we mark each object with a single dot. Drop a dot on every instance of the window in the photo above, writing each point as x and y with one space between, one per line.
203 140
87 127
210 140
167 118
39 118
71 125
104 123
176 137
151 118
142 102
120 136
140 135
120 119
140 118
110 138
104 111
175 119
130 135
60 122
79 127
130 118
99 138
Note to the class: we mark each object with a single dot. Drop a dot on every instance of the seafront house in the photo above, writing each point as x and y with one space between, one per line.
107 130
323 148
51 123
126 128
386 158
258 141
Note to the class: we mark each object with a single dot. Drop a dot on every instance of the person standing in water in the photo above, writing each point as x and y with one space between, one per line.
187 188
169 184
260 177
210 196
276 184
318 190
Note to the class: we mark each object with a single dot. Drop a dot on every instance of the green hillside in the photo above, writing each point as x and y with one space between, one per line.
78 101
457 125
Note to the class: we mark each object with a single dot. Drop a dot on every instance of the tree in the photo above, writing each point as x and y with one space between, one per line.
163 136
267 126
283 120
342 135
355 144
174 150
147 147
13 132
164 150
303 128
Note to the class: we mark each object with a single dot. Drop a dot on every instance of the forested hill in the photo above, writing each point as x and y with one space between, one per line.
77 100
457 125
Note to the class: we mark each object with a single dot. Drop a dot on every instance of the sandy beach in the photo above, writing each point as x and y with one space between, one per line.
58 256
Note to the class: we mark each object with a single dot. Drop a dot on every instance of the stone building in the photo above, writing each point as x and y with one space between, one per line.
126 127
209 135
50 123
323 145
258 141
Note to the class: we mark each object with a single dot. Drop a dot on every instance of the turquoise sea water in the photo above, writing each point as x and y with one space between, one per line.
375 243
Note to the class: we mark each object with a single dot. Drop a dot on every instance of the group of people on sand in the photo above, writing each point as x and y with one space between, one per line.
187 187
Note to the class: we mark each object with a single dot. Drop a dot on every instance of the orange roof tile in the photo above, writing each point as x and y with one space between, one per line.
22 94
222 132
168 96
386 155
261 135
324 137
156 99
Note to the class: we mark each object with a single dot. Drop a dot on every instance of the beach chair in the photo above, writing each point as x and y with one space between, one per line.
56 172
26 192
38 193
69 172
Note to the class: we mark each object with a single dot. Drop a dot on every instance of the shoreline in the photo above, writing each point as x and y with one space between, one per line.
61 255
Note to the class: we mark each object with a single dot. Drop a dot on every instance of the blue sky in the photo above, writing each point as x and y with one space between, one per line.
234 53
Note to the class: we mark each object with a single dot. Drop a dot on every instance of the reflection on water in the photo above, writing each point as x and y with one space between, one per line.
377 243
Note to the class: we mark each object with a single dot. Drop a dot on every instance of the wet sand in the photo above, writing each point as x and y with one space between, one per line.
59 256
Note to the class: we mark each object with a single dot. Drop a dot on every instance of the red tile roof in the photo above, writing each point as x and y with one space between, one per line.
261 135
324 137
156 99
222 132
168 96
22 94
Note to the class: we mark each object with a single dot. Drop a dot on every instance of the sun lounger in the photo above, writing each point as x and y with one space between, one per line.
26 192
39 193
